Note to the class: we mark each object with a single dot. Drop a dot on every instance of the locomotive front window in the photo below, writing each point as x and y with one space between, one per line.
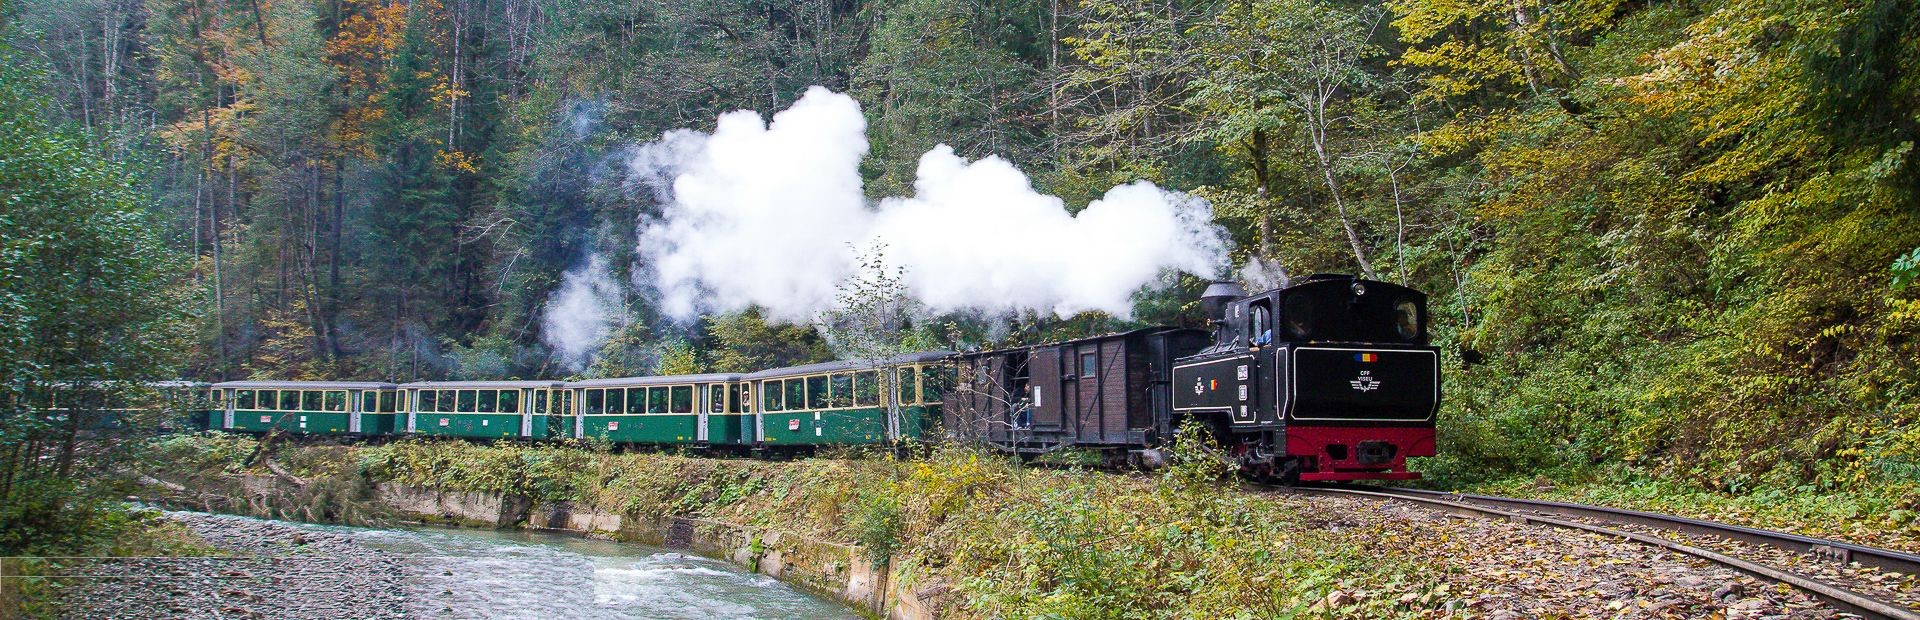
1406 319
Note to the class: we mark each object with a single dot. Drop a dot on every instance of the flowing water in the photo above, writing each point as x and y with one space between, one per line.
515 574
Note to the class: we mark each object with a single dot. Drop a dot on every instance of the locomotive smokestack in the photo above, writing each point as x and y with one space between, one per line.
1214 300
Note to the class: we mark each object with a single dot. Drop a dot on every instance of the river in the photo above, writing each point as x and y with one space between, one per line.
295 571
552 576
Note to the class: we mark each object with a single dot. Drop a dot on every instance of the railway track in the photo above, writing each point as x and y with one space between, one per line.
1583 518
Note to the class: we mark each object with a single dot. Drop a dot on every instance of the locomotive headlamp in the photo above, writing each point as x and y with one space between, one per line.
1359 289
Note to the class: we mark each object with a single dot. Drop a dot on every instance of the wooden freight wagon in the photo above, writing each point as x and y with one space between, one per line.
1105 392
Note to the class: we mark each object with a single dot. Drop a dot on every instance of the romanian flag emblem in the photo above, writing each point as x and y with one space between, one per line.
1366 357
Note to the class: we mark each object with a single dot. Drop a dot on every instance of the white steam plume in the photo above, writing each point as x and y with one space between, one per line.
582 312
773 215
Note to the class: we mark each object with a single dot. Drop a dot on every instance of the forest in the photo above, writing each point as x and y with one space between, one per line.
1674 237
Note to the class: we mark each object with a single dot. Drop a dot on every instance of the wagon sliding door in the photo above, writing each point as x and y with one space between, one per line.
1050 391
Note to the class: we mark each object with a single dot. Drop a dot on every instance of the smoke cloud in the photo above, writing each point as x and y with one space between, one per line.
773 214
582 312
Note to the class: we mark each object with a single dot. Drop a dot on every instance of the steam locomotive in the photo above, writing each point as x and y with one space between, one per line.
1328 379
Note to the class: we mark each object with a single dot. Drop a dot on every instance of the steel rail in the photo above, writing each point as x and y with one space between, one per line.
1833 550
1841 598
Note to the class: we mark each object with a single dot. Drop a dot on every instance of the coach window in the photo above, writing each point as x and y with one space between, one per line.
796 393
842 391
770 391
866 389
467 401
680 399
565 403
636 401
486 402
310 401
934 381
369 401
817 392
510 401
540 400
243 399
657 399
289 400
336 400
426 400
447 401
716 398
909 385
596 402
616 401
742 398
387 402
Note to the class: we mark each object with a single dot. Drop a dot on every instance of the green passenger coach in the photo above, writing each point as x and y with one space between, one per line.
315 407
702 410
484 409
843 403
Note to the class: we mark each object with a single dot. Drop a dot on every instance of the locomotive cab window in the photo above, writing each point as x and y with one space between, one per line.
1260 323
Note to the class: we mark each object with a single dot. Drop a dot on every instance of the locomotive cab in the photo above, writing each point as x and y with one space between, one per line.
1331 378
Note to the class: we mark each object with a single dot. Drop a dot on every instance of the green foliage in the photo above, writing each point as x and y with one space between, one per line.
1905 270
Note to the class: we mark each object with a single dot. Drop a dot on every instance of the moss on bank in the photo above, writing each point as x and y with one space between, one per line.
998 539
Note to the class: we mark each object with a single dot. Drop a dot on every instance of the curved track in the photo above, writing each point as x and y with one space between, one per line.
1561 514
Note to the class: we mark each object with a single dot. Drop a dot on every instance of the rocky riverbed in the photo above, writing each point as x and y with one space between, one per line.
275 570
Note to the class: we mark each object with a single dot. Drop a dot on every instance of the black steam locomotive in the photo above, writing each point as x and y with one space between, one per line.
1328 379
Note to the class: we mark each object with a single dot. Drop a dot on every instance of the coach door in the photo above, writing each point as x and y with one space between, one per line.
353 411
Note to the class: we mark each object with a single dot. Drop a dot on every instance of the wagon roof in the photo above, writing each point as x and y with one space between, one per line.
712 377
307 385
835 366
483 384
1106 336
